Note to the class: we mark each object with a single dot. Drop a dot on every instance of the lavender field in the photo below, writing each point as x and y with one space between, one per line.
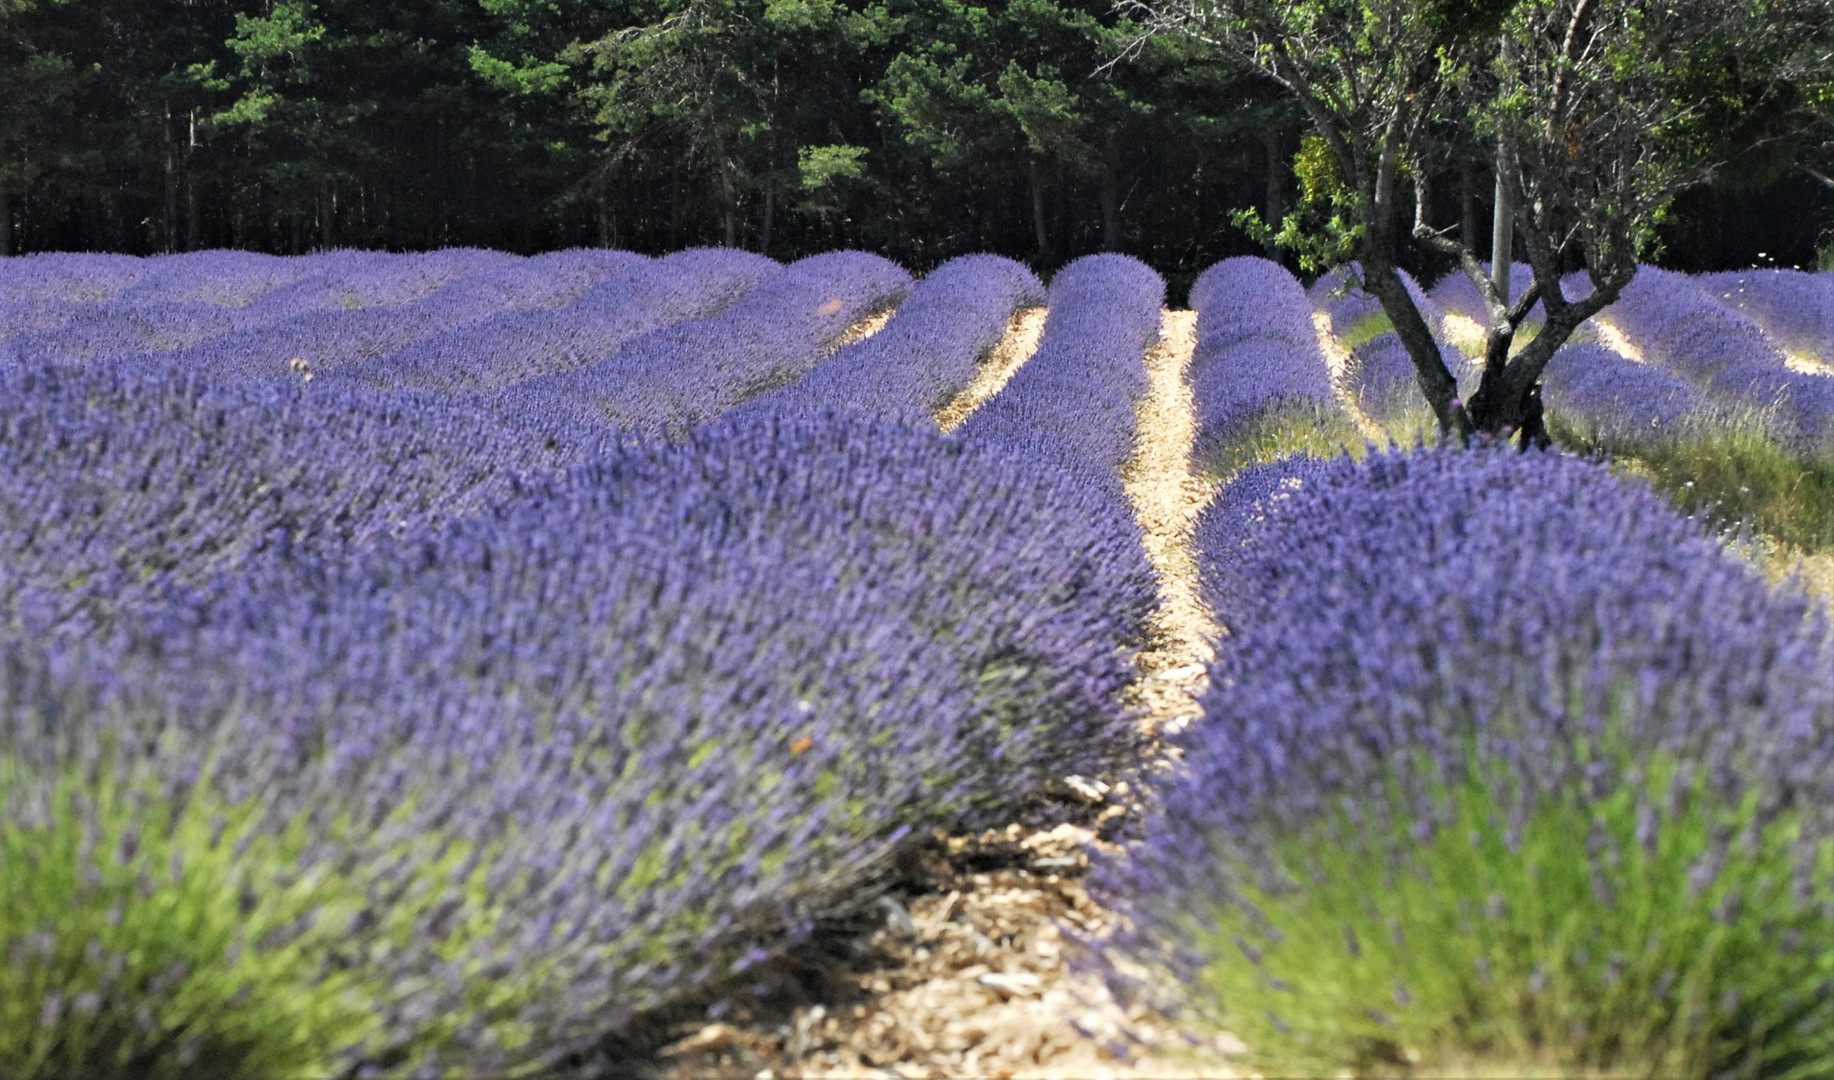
467 664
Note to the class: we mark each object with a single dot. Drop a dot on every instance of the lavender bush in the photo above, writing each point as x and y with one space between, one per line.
117 484
518 346
1678 324
673 378
498 791
121 328
1599 399
346 280
68 278
1796 310
1258 376
1072 403
930 350
1504 762
223 278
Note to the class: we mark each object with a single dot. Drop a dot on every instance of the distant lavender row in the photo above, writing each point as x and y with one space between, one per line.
674 378
1258 367
520 345
318 320
1678 324
118 484
928 353
1617 403
1796 309
594 753
1072 403
1439 665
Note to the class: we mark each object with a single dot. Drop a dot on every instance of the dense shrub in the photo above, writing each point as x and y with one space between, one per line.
1502 760
69 278
1794 308
224 278
930 350
514 347
1613 403
499 790
1258 376
678 376
1072 403
1678 324
117 483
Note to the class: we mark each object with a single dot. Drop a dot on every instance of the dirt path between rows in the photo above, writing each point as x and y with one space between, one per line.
970 975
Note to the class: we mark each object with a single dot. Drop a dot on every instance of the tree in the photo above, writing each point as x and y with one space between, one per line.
37 83
1601 112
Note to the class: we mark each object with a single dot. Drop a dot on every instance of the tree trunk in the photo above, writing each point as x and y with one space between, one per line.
1038 230
729 198
1382 280
1502 229
169 224
1467 205
1111 191
327 216
193 228
6 222
770 213
1271 140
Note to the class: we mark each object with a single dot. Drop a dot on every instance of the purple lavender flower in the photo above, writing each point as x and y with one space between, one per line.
679 376
1616 402
1073 402
1795 309
930 350
1467 639
517 346
654 716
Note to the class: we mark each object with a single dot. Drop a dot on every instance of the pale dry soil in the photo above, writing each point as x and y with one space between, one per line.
964 968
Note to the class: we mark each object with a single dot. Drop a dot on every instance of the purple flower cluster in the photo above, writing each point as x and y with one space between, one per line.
517 346
345 280
679 376
223 278
1072 403
1258 364
929 351
603 747
58 277
1615 402
1678 324
117 484
1796 309
1422 622
121 328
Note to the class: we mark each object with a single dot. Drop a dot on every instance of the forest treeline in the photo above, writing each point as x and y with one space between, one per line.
1042 129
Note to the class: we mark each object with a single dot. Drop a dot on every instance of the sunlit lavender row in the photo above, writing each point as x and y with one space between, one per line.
461 662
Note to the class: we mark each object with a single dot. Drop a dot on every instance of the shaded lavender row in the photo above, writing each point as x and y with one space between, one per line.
261 338
516 346
676 377
656 716
1072 403
1616 402
319 342
117 483
1422 620
930 350
1796 309
1679 325
1258 363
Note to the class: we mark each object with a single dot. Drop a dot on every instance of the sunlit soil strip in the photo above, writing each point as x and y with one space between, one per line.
1337 359
1015 347
862 330
1167 499
1612 338
1464 332
1806 364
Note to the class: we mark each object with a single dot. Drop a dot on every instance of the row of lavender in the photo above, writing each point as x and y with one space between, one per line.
1506 769
413 715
